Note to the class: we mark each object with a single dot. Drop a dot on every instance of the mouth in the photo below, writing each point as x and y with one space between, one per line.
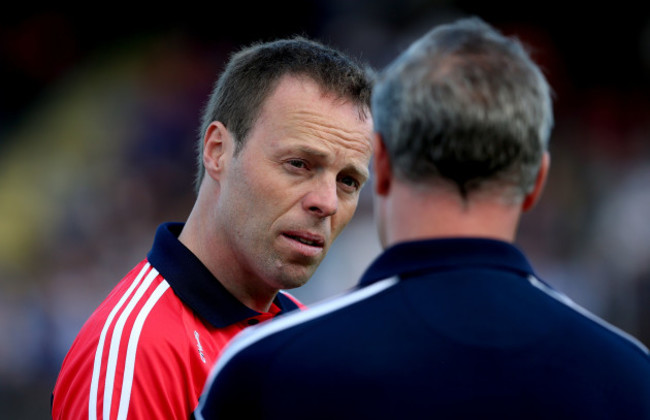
306 238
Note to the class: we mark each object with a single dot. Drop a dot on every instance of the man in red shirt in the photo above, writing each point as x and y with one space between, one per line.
283 153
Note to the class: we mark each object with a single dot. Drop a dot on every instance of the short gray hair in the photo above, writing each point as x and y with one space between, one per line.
465 104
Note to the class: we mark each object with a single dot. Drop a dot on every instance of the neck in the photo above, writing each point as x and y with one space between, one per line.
413 213
204 238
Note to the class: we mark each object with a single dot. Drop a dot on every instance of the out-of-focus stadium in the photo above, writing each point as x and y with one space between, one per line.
99 112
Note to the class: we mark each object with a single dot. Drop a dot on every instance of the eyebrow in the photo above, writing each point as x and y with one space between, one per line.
362 173
311 151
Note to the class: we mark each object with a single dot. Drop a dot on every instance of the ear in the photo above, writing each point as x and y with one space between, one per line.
533 197
217 146
381 166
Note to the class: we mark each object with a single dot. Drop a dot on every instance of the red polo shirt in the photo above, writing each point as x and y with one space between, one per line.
149 347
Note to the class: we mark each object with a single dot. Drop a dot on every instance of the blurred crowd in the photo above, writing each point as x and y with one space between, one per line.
89 170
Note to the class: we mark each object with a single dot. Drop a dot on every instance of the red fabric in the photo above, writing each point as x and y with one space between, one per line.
158 351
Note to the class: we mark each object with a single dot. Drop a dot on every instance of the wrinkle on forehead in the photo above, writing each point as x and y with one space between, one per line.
300 109
313 124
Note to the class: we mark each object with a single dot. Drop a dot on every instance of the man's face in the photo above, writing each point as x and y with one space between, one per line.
293 187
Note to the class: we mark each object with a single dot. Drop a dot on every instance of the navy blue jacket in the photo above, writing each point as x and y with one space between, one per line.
447 328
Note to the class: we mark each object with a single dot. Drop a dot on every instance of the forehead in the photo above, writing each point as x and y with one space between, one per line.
298 109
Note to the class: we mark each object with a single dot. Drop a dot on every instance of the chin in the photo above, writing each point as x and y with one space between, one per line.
298 278
287 284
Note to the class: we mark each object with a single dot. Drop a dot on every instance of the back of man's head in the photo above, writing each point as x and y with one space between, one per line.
467 106
253 72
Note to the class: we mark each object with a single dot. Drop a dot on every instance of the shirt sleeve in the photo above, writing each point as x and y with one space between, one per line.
129 360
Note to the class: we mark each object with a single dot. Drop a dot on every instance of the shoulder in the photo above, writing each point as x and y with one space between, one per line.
591 326
242 374
332 311
128 323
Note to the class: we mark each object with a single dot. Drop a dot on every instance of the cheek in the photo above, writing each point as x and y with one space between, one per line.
257 185
343 217
243 200
267 198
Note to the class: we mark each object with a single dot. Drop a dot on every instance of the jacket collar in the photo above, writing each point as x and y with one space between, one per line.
195 285
408 258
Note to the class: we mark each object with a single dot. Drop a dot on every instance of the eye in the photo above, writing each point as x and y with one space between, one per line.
350 183
297 163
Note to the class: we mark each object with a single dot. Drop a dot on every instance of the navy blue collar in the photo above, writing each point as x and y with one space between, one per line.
409 258
195 285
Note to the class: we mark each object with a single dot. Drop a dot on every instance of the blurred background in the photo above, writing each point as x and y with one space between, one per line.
98 118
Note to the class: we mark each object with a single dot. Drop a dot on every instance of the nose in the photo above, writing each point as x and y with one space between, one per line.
322 200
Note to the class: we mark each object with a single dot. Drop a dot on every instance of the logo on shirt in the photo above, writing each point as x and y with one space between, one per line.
199 346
